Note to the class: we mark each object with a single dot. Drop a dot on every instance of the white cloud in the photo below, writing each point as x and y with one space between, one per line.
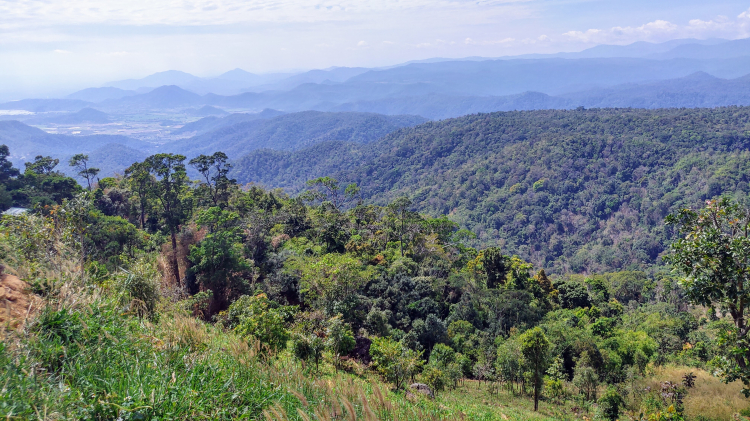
662 30
61 52
470 41
17 14
117 39
646 32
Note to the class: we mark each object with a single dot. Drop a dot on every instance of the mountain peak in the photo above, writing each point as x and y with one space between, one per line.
168 77
699 76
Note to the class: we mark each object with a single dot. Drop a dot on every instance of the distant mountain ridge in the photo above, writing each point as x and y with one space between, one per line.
84 116
209 123
25 142
680 48
290 131
430 100
636 75
101 94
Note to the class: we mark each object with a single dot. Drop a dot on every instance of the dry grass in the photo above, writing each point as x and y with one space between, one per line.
710 398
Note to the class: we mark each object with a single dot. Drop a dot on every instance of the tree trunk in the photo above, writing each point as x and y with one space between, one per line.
143 211
401 235
175 265
536 397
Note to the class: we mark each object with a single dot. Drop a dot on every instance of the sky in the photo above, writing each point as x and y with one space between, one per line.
50 46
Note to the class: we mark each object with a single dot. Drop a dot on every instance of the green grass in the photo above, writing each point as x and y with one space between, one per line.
94 363
90 360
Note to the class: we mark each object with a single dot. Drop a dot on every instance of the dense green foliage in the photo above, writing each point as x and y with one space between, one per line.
571 191
39 185
714 255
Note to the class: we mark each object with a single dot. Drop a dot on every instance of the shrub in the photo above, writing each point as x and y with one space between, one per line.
610 404
308 348
253 317
586 380
340 339
377 323
434 377
139 288
454 374
442 355
554 388
394 361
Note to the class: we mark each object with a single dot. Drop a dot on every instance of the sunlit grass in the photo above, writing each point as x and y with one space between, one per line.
711 398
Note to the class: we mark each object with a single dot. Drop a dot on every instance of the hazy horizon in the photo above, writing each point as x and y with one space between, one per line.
55 47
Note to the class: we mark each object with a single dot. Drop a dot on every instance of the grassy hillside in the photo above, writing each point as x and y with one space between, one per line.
579 190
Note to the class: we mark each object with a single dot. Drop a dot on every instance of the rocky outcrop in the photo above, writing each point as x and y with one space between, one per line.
423 389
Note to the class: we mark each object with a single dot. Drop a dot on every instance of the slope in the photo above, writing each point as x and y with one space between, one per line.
292 131
86 115
111 159
209 123
25 142
45 105
100 94
696 90
581 190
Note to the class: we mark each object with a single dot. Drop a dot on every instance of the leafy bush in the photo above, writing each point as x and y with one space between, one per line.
442 355
610 404
252 316
435 378
395 362
586 380
308 348
139 288
339 338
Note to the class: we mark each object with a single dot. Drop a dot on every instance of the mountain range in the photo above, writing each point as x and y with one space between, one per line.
241 113
698 89
207 124
231 82
237 81
678 73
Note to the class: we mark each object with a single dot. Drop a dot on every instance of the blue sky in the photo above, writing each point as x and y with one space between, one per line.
66 44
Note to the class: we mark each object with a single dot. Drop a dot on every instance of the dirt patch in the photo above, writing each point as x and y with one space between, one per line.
16 302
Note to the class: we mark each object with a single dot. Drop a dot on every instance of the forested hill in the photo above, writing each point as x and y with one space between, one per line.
579 190
292 131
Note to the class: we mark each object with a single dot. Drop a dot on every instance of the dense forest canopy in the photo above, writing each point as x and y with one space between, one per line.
580 191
